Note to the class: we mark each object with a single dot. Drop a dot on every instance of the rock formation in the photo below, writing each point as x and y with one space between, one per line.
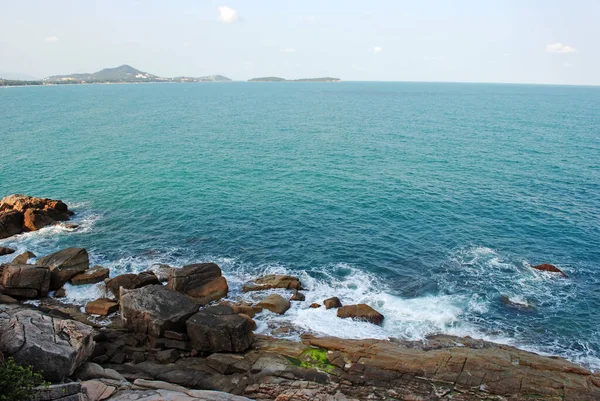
21 213
202 281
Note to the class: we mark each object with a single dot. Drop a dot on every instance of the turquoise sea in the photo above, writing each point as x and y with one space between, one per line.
428 201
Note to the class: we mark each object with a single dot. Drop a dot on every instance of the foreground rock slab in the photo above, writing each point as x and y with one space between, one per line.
55 346
169 395
219 329
154 308
25 281
202 281
64 265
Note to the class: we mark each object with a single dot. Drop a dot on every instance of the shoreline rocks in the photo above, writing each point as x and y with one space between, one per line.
91 276
202 281
274 281
362 312
64 265
219 329
21 213
6 251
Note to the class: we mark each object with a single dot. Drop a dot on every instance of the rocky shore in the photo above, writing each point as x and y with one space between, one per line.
171 333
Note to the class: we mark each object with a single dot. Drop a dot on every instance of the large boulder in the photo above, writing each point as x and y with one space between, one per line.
25 281
275 303
11 223
55 346
219 329
155 308
131 281
361 312
35 219
202 281
274 281
6 251
64 265
547 267
333 302
92 276
23 258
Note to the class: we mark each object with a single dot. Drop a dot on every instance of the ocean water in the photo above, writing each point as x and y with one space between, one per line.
428 201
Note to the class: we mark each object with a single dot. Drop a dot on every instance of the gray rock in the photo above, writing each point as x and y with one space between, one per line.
90 371
23 258
153 309
25 281
168 395
219 329
56 391
64 265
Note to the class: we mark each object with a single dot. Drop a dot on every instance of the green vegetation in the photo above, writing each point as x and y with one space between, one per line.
313 358
17 382
15 82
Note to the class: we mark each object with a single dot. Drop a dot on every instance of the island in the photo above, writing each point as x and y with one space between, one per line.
278 79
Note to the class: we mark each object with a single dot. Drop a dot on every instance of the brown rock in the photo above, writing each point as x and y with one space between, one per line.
25 281
6 251
64 265
131 281
34 219
11 223
298 296
245 309
23 258
92 276
162 272
360 312
97 390
219 329
274 281
60 293
5 299
546 267
202 281
275 303
250 321
102 306
20 213
333 302
314 305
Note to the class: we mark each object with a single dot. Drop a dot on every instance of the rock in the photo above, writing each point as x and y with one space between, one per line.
92 276
360 312
517 305
97 390
546 267
202 281
219 329
245 309
64 265
25 281
23 258
274 281
5 299
333 302
60 293
131 281
155 308
159 385
11 223
56 391
6 251
162 272
169 395
250 321
102 306
275 303
314 305
167 356
90 371
55 346
173 335
70 226
34 219
298 296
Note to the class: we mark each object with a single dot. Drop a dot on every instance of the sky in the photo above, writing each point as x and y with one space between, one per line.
506 41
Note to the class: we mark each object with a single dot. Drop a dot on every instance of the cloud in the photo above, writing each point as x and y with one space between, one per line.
288 50
228 15
377 49
51 39
559 48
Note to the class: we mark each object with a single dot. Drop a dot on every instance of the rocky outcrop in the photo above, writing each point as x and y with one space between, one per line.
92 276
547 267
219 329
25 281
171 395
102 306
55 346
20 213
6 251
274 281
275 303
23 258
360 312
202 281
333 302
64 265
155 308
131 281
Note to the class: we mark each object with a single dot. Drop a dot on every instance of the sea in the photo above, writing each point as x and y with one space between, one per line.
428 201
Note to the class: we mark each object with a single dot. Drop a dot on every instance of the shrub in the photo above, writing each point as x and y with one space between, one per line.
17 382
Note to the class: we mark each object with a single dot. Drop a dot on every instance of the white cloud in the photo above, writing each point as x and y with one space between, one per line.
228 14
377 49
288 50
51 39
559 48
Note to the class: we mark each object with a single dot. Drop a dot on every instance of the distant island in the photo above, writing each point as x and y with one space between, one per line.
278 79
121 74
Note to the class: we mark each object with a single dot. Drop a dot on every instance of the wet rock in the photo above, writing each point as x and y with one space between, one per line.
55 346
60 293
131 281
6 251
315 305
546 267
202 281
92 276
155 308
102 306
360 312
11 223
298 296
333 302
64 265
516 305
25 281
23 258
35 219
245 309
219 329
274 281
19 213
275 303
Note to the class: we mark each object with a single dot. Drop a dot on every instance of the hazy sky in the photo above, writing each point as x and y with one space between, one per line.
461 40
